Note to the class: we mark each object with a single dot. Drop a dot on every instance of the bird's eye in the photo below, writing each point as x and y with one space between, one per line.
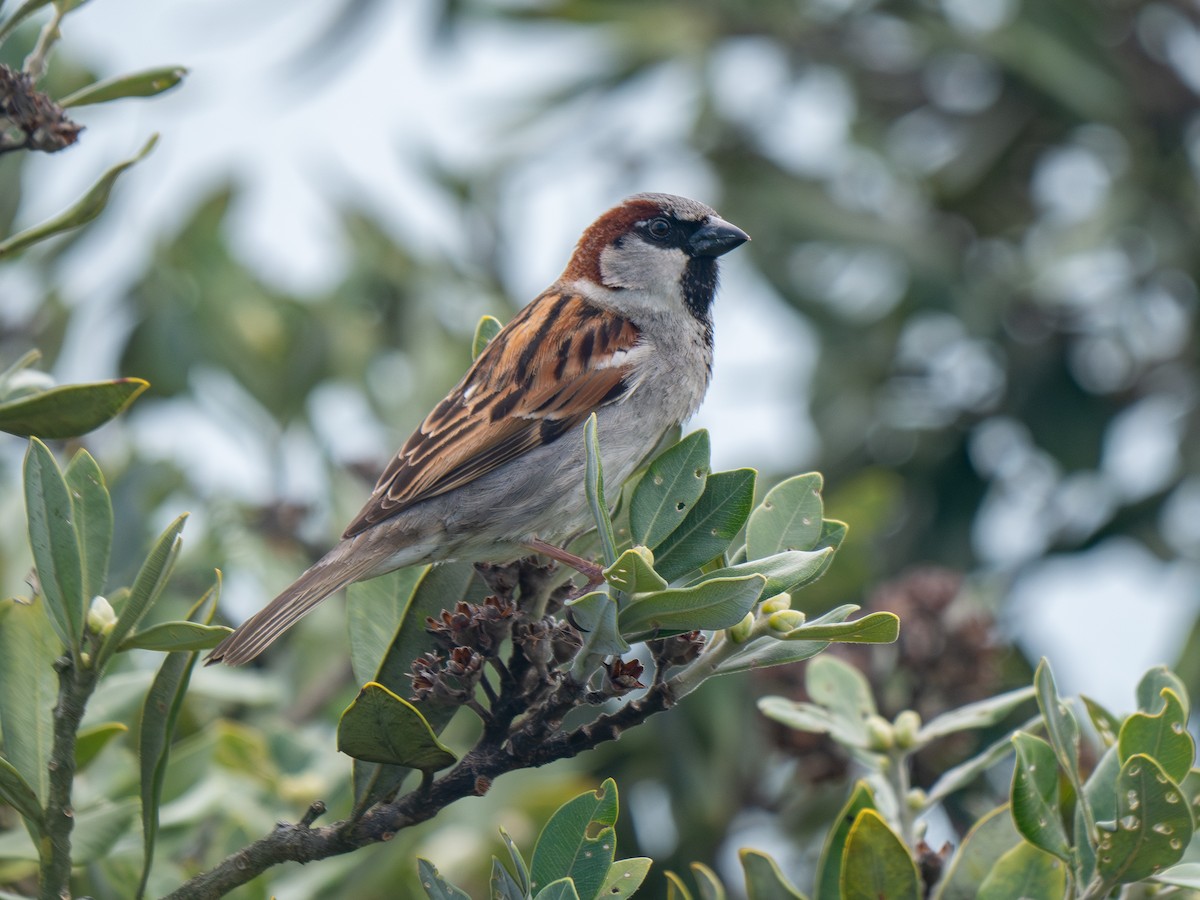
659 228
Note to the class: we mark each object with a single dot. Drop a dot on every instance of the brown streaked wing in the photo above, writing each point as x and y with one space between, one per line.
544 373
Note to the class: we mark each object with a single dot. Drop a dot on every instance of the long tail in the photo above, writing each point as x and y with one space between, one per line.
333 571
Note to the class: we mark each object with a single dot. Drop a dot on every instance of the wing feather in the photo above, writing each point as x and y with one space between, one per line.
558 361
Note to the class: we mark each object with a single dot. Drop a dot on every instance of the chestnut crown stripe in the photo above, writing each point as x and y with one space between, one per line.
613 225
546 372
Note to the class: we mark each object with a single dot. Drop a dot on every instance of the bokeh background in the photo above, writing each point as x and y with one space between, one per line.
970 302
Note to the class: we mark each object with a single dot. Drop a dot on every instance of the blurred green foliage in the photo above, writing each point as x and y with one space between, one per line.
986 210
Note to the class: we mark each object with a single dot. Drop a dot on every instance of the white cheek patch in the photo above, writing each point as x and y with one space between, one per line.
637 265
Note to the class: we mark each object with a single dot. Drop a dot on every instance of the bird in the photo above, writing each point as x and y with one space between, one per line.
496 470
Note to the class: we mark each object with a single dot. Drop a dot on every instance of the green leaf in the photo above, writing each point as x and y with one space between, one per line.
375 610
1061 727
595 616
503 886
1150 688
578 842
1034 793
172 636
90 741
988 840
833 533
829 867
624 877
708 885
1106 724
670 488
70 410
1184 875
160 714
633 572
982 714
384 728
563 889
1100 792
24 11
716 603
55 543
964 773
16 792
519 868
789 518
488 328
676 889
839 687
137 84
1025 873
436 887
92 508
788 571
876 864
845 729
764 653
594 488
1153 826
84 210
1163 737
146 589
709 526
28 689
876 628
764 881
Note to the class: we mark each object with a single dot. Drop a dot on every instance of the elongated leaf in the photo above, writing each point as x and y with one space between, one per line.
167 637
503 886
829 867
146 589
16 792
845 729
93 514
436 887
594 488
1025 873
488 328
762 654
1061 727
1185 875
980 714
520 869
160 714
839 687
84 210
833 533
717 603
70 410
709 526
625 876
578 842
789 518
375 610
28 689
671 486
381 727
987 841
595 615
137 84
55 543
876 628
23 12
1035 807
98 828
787 571
1163 737
964 773
1153 826
876 863
1106 724
764 881
708 885
676 889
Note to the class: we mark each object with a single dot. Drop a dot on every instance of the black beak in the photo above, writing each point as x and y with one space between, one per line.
716 237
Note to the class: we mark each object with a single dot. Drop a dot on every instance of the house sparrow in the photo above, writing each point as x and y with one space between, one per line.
497 469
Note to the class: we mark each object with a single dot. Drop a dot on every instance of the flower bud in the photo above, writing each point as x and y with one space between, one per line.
785 620
777 603
101 617
880 735
907 724
917 800
740 633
